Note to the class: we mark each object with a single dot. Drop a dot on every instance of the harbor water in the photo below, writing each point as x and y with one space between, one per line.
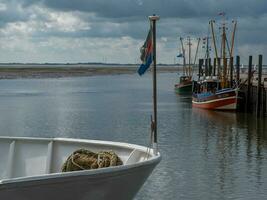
206 154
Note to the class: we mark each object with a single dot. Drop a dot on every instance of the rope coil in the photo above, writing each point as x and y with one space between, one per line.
83 159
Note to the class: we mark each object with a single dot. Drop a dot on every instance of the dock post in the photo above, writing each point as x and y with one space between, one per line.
219 67
231 71
206 67
249 84
210 67
214 66
237 69
264 100
200 72
259 86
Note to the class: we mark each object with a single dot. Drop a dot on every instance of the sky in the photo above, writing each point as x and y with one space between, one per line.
71 31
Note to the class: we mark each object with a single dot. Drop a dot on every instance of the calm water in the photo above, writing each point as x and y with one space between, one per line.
206 155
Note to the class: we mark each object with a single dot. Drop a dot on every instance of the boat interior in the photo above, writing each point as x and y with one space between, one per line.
24 157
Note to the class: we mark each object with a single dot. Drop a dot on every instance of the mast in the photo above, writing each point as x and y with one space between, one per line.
228 47
189 55
233 39
208 55
198 41
153 20
224 55
184 59
214 43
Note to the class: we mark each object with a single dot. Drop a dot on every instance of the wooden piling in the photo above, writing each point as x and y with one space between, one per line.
249 84
231 71
200 64
214 66
206 67
210 67
219 66
237 69
264 100
259 86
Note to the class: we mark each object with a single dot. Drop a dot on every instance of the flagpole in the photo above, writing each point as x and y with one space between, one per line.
153 19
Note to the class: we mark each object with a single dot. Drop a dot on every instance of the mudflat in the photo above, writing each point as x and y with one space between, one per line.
43 71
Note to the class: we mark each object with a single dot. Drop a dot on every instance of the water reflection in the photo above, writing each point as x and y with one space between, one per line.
240 144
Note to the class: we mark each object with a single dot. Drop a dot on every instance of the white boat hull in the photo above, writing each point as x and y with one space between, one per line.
121 182
122 185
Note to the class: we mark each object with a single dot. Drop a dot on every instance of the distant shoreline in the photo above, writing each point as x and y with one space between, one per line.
7 72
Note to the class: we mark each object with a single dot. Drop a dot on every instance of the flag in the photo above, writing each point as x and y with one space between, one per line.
180 55
146 54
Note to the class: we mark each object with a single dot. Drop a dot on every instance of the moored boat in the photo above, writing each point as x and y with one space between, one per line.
184 86
216 89
210 96
224 99
185 81
31 170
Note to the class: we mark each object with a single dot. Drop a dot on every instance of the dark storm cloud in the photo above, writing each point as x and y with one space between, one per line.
182 16
115 19
136 9
135 29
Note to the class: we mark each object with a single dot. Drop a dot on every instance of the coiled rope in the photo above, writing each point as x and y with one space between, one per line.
83 159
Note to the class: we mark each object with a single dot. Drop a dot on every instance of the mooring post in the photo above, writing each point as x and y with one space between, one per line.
237 69
206 67
259 86
231 71
249 84
264 100
214 66
200 72
210 67
219 67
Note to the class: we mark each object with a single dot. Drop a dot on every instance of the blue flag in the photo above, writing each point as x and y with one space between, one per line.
146 54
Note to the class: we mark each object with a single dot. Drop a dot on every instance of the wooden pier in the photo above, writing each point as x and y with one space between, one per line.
253 89
251 81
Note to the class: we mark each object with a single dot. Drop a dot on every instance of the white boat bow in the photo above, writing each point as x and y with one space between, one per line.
30 169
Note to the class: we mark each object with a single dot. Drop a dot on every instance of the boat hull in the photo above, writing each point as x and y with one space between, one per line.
183 88
122 185
226 100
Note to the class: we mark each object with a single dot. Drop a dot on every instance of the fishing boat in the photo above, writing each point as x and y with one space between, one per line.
216 91
184 85
185 81
209 95
30 169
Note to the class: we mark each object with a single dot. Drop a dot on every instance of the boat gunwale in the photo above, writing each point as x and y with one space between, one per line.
218 92
180 85
213 100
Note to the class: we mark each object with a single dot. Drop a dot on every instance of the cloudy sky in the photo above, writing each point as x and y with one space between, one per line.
113 30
